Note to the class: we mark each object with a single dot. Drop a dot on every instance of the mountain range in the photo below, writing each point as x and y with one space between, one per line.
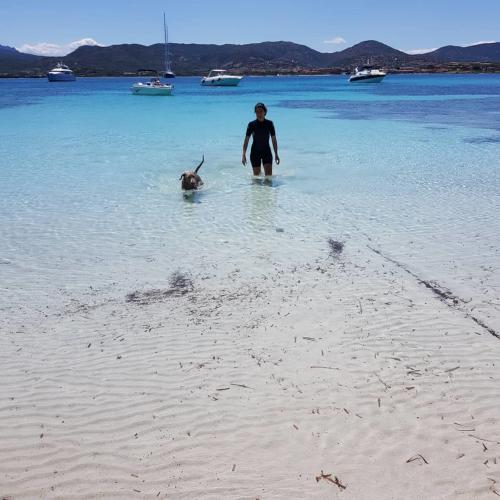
256 58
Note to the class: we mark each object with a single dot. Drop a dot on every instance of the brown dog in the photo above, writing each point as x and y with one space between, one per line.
191 181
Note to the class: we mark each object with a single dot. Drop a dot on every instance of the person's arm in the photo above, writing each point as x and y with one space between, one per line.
275 147
249 132
272 132
245 146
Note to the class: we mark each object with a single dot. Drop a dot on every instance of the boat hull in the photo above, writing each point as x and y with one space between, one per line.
366 79
61 77
139 89
221 82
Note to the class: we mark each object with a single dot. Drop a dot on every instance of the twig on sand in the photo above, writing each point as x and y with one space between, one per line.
325 367
464 427
242 385
481 439
328 477
387 386
492 486
417 457
449 370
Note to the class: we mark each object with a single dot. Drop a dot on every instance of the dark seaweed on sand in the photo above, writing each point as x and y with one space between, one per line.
179 284
336 247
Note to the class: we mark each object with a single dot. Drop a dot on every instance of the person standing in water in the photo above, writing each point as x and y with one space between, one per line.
260 154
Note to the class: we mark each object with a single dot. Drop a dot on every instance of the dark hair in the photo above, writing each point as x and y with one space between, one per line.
260 105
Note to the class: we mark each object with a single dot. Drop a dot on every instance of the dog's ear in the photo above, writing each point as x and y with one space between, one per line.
182 176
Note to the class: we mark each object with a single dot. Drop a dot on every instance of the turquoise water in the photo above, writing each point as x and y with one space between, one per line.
91 209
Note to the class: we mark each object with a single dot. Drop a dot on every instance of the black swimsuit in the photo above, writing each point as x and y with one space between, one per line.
261 151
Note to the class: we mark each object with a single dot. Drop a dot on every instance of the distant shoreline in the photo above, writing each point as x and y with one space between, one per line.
442 71
263 58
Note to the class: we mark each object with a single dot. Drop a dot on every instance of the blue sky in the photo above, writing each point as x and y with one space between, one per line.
59 26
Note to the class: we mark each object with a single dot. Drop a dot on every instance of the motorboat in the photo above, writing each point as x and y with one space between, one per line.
61 73
367 74
153 87
168 73
220 77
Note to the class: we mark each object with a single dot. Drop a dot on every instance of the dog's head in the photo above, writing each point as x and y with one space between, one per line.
189 180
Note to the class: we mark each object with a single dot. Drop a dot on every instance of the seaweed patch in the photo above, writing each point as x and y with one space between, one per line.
179 284
336 247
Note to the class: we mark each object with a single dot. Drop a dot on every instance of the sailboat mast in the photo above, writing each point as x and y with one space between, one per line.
166 42
168 65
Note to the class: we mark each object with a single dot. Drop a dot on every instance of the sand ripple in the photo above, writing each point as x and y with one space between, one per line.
250 389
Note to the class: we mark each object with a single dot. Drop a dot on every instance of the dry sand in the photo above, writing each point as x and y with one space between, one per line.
258 388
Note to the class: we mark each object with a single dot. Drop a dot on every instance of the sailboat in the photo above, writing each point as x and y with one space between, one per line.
168 65
154 86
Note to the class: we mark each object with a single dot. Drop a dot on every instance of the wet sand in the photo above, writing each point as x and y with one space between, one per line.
345 377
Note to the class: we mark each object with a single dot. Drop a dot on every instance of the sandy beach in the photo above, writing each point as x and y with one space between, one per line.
344 377
249 254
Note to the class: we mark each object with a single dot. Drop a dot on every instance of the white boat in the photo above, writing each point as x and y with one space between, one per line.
61 73
153 87
367 74
220 78
168 73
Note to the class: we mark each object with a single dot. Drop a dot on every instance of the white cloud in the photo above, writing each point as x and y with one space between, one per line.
54 49
479 43
420 51
338 40
84 41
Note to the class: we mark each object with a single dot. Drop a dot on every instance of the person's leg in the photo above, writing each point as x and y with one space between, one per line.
255 160
267 160
268 169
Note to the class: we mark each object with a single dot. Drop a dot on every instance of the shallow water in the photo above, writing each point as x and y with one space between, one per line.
90 202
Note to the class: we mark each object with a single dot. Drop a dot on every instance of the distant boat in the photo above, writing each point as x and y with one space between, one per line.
168 65
61 73
367 74
153 87
220 77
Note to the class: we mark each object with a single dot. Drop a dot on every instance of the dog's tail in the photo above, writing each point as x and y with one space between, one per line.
199 166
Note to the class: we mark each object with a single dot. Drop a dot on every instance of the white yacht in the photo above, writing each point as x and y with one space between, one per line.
153 87
367 74
220 77
61 73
